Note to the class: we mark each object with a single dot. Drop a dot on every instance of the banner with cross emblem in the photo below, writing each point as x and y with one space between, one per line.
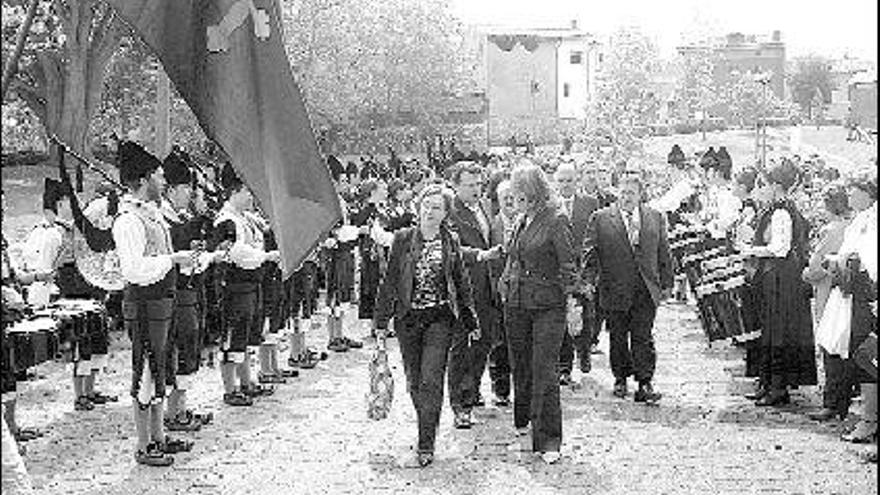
226 59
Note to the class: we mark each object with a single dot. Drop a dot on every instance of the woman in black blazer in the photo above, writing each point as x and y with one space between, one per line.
428 293
536 288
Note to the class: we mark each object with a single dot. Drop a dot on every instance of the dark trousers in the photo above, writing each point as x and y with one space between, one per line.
499 360
839 382
468 359
582 342
183 346
535 337
632 344
424 337
147 322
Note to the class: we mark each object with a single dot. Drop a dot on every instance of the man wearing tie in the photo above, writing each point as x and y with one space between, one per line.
468 356
626 252
577 208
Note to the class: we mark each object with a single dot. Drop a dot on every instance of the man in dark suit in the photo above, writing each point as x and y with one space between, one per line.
467 359
626 258
578 208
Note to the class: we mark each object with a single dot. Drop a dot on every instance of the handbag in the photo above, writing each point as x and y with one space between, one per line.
833 332
866 355
381 393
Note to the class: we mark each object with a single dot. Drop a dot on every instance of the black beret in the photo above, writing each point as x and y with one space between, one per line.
135 162
177 168
229 179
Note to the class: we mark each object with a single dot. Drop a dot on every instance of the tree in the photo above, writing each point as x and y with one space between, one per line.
812 76
358 60
63 69
697 90
625 99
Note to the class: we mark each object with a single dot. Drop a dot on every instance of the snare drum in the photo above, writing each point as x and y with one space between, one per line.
83 326
33 342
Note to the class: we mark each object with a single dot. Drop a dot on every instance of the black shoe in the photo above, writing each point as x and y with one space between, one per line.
825 414
586 363
479 402
594 349
338 345
237 399
757 394
174 445
646 394
203 418
620 388
352 344
153 456
265 378
565 379
257 390
463 421
502 401
862 433
774 398
182 422
425 458
82 403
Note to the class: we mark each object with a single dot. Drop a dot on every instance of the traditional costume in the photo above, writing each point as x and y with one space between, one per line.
143 244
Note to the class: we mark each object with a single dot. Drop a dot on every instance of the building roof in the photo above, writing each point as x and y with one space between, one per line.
540 32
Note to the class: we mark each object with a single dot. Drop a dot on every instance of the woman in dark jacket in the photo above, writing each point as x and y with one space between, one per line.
428 293
535 288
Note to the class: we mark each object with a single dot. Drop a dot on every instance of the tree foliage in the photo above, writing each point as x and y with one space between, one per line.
62 70
811 84
626 100
360 61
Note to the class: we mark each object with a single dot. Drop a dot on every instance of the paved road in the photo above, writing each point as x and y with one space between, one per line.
312 437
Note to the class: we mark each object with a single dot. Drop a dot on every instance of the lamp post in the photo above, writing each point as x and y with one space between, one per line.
761 133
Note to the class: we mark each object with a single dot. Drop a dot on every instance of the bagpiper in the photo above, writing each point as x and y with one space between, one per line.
147 261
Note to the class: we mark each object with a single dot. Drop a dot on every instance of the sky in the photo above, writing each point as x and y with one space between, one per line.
828 27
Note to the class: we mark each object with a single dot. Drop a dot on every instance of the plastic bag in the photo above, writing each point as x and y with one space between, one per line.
833 332
381 393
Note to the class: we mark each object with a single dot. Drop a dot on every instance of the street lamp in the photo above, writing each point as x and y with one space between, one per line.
762 78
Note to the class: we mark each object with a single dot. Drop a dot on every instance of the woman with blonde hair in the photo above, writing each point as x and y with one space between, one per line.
427 291
536 287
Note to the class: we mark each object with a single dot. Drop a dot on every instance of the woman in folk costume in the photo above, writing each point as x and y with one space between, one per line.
849 317
147 262
184 347
780 248
241 237
837 393
49 248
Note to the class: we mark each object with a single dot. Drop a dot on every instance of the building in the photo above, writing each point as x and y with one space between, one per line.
862 90
738 54
742 54
536 80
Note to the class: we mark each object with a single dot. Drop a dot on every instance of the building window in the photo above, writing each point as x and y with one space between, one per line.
576 57
565 90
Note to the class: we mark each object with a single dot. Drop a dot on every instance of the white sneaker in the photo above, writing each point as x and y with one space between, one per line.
551 457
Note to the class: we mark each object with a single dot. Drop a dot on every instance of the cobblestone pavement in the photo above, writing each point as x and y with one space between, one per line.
313 436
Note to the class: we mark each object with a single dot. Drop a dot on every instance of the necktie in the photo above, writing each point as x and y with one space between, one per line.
633 227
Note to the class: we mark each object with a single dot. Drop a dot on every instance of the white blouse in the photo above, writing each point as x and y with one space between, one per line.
779 243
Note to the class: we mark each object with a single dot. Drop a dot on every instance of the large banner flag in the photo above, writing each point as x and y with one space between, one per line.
227 60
